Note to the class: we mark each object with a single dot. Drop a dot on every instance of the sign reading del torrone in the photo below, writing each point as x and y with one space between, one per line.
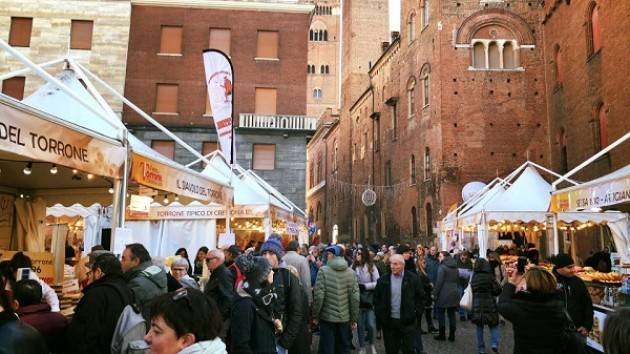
39 139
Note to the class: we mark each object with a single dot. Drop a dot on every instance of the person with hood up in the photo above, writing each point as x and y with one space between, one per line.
446 294
145 280
97 313
573 293
291 305
530 302
484 312
252 309
336 303
185 322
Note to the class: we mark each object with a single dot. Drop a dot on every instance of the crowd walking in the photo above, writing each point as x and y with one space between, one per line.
291 298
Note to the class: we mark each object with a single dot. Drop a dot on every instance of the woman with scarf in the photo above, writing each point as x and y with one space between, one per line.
253 327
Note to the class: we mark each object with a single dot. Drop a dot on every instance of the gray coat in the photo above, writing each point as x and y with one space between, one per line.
446 292
300 263
146 282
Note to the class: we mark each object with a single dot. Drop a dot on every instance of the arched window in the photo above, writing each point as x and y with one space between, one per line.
414 222
411 27
603 126
595 39
429 217
310 35
321 35
412 169
327 69
317 93
425 75
308 69
325 35
494 57
321 69
557 64
425 13
479 56
508 56
411 97
427 163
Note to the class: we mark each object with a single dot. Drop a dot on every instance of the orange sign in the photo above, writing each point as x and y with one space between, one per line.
29 135
157 175
43 263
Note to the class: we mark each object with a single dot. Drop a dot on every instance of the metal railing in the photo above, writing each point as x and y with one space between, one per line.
276 121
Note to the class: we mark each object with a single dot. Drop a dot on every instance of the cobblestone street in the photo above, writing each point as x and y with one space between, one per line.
465 341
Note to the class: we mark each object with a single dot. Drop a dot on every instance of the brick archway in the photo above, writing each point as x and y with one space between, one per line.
513 22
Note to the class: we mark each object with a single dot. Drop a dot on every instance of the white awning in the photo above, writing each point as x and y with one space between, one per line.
611 189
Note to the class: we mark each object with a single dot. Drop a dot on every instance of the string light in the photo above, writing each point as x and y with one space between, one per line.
28 169
90 176
111 190
53 169
165 199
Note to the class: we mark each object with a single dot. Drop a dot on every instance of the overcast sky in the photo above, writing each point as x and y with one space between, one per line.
394 15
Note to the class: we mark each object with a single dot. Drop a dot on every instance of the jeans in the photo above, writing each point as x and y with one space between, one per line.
462 312
366 327
335 338
494 338
281 350
451 316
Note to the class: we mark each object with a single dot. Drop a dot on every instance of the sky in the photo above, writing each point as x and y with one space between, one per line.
394 15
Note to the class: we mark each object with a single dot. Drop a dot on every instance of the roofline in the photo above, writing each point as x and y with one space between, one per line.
363 95
383 55
231 5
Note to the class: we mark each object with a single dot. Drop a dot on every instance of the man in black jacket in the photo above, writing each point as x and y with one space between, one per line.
220 286
97 313
573 292
291 306
398 301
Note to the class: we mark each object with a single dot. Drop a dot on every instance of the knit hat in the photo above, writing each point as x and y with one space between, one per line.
255 268
334 249
562 260
273 244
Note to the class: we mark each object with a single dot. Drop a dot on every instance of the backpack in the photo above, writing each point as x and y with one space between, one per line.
129 332
239 277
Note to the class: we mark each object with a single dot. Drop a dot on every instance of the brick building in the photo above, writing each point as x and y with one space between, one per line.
267 42
94 32
588 98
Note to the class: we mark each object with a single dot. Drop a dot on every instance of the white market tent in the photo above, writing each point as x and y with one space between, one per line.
94 218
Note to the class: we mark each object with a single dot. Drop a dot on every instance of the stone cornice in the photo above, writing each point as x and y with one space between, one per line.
231 5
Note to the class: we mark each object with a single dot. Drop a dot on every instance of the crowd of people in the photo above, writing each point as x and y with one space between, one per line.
273 299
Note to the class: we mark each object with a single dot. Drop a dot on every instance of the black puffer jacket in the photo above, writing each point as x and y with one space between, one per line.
292 309
220 288
577 301
538 321
252 328
96 315
485 290
16 337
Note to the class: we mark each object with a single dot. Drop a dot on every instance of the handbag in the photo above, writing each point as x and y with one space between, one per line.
466 302
575 342
366 299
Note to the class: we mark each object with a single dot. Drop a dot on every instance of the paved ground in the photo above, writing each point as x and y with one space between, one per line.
465 341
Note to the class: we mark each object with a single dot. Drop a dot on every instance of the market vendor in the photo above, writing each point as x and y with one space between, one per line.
573 292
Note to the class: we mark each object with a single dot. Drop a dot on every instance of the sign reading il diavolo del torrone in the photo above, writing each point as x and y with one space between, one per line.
156 175
36 138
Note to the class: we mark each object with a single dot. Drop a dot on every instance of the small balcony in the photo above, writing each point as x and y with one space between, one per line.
277 122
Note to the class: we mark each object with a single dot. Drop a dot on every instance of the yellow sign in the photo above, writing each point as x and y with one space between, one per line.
43 263
37 138
596 196
157 175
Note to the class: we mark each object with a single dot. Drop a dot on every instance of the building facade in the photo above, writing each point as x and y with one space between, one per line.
267 43
94 32
588 99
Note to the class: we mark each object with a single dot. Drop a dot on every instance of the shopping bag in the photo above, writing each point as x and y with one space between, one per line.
466 301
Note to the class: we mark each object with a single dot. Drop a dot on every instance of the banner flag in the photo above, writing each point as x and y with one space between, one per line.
219 79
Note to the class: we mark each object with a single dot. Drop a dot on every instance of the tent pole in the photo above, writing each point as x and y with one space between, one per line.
556 236
28 70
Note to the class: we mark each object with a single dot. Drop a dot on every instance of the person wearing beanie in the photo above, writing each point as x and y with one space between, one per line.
253 309
573 293
292 302
336 303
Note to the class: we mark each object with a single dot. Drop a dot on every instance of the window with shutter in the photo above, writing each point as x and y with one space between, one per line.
267 46
220 38
164 147
14 87
265 100
20 32
81 34
166 98
264 157
171 40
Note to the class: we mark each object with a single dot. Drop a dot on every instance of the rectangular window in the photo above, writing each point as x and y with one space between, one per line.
20 32
377 135
427 164
220 38
81 34
14 87
267 46
394 122
171 40
265 100
164 147
264 157
166 98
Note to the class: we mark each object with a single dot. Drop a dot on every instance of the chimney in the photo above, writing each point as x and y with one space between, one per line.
384 46
395 35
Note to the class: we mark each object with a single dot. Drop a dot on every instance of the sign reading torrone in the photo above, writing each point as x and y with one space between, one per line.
28 135
368 197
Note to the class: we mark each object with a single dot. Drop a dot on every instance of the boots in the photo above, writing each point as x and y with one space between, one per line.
451 334
442 334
